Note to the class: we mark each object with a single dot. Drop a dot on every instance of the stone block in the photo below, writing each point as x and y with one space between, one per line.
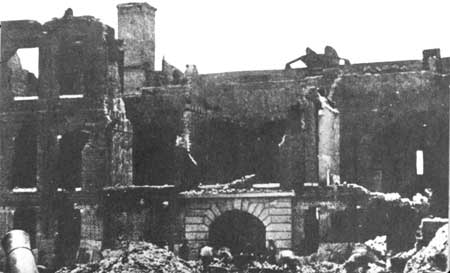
281 219
195 212
284 203
284 211
267 221
193 220
207 221
251 207
279 227
237 203
284 244
215 210
264 214
259 207
279 235
196 236
245 204
196 228
210 214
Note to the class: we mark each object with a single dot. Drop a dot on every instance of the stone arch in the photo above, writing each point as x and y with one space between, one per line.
256 209
239 231
273 210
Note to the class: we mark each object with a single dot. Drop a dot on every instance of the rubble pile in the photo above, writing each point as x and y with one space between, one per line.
417 200
373 257
243 185
135 257
333 252
378 245
431 258
363 258
320 267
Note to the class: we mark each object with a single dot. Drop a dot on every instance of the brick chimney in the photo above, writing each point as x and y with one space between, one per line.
137 30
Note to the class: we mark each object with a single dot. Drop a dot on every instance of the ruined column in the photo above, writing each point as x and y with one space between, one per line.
137 30
328 144
91 234
93 159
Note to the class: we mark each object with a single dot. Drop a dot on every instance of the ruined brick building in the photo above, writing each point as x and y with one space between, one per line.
102 147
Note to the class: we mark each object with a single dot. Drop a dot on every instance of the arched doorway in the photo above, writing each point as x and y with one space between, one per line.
236 229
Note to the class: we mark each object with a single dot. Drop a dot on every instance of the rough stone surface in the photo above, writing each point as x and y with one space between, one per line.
197 231
432 257
129 125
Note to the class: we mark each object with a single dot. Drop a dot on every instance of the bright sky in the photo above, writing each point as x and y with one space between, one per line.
233 35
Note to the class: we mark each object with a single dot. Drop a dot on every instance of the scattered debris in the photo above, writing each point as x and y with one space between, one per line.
378 244
135 257
363 258
247 183
130 187
396 264
333 252
432 257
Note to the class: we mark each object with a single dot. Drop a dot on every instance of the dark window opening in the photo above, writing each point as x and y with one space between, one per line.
69 160
238 231
70 65
311 229
159 224
25 219
25 157
67 241
154 155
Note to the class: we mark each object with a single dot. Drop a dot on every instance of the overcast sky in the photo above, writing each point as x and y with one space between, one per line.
233 35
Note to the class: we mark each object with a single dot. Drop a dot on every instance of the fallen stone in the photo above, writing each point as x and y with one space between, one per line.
135 257
431 258
378 244
396 264
334 252
363 258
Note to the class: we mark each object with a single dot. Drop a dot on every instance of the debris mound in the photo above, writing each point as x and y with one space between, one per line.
134 257
378 244
432 257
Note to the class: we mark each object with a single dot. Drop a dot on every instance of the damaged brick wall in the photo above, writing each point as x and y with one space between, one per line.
132 125
239 124
385 118
83 134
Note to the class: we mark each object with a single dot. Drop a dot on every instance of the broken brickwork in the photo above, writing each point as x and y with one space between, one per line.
100 146
58 141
